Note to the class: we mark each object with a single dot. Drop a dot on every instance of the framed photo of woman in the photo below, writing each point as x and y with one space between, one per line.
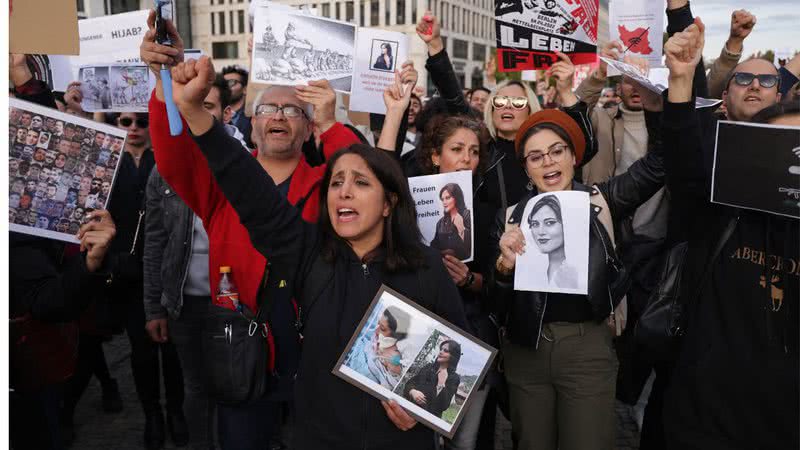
444 212
556 230
403 352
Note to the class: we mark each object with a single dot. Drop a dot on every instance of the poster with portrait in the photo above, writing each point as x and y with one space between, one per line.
397 351
529 32
292 47
639 25
556 230
740 154
378 54
60 167
116 88
445 213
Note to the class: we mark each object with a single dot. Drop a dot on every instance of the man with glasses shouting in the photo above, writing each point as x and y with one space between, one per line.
283 119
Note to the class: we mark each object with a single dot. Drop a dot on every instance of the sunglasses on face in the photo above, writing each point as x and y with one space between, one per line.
501 101
289 111
127 121
764 80
232 82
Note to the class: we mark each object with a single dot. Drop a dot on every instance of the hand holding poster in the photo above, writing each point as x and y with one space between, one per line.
529 32
291 48
740 154
556 230
404 364
60 167
639 25
378 54
445 213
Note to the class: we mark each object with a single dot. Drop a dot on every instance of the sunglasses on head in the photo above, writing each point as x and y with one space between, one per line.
764 80
501 101
127 121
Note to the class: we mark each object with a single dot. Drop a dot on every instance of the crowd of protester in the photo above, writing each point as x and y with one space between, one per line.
290 191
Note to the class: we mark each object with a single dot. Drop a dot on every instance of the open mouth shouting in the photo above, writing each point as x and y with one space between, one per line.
345 215
552 178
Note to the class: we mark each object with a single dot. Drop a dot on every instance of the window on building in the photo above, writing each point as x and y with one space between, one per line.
326 10
121 6
240 15
414 11
225 50
401 12
361 14
478 52
388 13
374 13
232 28
464 20
338 11
460 49
461 78
221 20
213 24
220 2
349 12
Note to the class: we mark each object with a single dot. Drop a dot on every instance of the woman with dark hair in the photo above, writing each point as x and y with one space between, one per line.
554 339
385 60
435 385
454 230
366 236
547 229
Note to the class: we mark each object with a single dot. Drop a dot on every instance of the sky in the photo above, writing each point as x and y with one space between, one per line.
777 24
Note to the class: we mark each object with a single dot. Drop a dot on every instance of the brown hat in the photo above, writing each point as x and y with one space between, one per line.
559 119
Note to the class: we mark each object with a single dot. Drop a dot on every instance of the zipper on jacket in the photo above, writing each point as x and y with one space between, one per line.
186 267
541 321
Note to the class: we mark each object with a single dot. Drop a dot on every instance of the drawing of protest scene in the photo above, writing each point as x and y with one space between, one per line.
291 48
401 351
95 88
130 88
57 178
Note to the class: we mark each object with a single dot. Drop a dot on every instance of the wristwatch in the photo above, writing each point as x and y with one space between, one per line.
470 280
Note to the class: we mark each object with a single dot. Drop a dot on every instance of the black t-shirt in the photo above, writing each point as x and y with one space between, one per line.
283 188
567 308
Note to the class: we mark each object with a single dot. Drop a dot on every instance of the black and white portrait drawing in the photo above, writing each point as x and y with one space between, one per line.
290 48
556 230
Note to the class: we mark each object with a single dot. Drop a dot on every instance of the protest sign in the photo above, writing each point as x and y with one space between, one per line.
378 54
403 365
60 167
43 27
117 88
768 154
112 39
529 32
639 25
445 213
292 47
633 72
556 230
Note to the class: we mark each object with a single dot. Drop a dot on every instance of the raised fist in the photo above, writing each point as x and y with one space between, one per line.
191 82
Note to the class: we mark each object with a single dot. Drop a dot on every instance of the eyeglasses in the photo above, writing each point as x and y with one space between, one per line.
764 80
535 159
232 82
127 121
289 111
501 101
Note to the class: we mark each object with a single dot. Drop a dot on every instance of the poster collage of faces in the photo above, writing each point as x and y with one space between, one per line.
60 167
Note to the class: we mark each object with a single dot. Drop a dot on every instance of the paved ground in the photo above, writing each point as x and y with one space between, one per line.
98 431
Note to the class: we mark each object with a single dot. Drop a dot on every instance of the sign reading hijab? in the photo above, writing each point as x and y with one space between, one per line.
444 212
556 230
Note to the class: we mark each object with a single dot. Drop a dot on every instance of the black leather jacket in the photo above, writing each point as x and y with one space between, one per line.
524 311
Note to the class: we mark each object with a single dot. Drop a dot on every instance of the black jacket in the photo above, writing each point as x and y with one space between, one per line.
735 383
426 380
524 311
333 297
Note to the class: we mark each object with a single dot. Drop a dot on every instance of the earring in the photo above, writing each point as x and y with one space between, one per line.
530 185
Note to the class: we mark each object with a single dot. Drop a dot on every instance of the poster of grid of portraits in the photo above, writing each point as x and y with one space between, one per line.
60 167
402 352
116 87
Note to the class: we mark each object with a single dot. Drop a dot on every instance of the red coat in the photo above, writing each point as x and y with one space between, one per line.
184 167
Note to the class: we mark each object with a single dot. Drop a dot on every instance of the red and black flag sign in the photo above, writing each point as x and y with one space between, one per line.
529 32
